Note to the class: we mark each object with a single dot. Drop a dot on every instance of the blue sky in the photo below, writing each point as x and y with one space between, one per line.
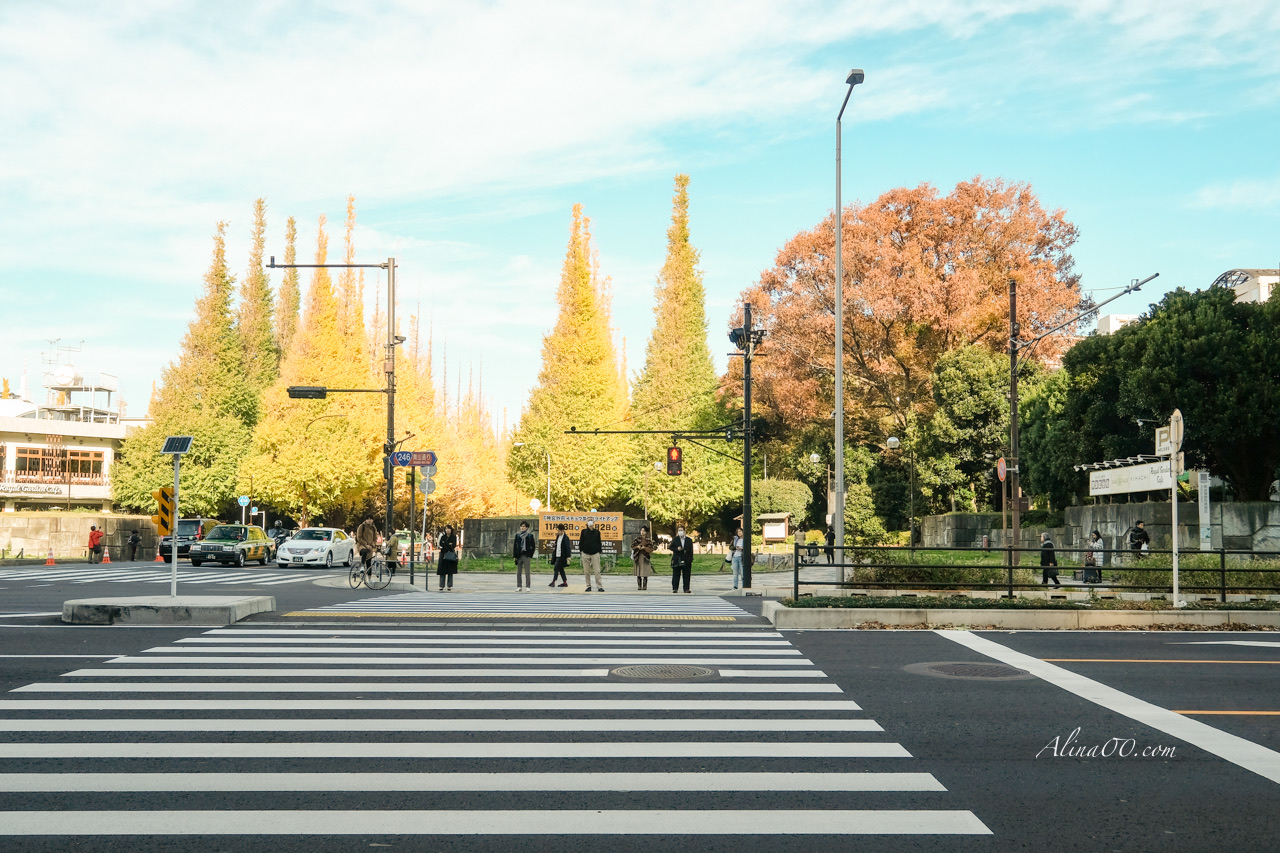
468 131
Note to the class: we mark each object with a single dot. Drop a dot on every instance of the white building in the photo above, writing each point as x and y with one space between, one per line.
59 453
1250 285
1109 324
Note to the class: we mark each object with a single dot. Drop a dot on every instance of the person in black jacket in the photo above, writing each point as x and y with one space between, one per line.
1048 560
447 566
561 551
1138 537
523 549
589 548
681 560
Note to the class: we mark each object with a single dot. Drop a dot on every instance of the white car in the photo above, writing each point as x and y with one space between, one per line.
317 546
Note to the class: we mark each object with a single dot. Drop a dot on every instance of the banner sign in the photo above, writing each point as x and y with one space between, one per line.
1133 478
608 523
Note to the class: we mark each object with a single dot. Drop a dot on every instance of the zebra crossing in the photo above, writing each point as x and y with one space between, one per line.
292 730
126 574
707 608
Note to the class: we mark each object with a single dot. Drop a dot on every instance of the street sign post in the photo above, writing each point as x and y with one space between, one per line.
414 458
176 445
1175 468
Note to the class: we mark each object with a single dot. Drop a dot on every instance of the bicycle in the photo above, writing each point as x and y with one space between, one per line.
377 576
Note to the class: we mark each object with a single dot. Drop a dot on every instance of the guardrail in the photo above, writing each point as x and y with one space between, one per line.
1220 571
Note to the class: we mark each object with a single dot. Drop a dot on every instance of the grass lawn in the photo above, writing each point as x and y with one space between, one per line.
965 603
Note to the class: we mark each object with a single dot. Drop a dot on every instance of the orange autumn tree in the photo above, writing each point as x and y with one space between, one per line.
924 274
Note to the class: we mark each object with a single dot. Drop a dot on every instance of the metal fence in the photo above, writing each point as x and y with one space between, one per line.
1218 572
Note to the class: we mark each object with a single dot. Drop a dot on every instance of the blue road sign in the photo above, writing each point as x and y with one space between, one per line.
244 500
402 457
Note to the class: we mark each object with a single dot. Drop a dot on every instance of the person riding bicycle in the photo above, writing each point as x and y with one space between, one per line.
367 541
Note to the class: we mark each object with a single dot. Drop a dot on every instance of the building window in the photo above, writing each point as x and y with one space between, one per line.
85 466
28 464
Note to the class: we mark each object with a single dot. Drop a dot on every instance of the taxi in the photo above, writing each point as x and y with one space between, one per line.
235 544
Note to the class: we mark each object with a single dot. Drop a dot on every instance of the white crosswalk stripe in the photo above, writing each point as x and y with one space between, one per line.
542 604
383 713
160 574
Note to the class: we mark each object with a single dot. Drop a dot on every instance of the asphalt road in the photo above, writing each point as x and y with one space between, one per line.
243 728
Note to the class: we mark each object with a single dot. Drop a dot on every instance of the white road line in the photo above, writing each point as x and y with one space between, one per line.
462 724
131 782
1243 753
1261 643
373 706
544 661
480 641
25 615
417 749
383 822
57 656
509 633
519 650
291 672
392 687
770 673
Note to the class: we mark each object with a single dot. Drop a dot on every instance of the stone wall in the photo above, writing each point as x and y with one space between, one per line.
67 534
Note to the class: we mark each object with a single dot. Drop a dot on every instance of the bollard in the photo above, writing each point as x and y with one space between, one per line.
50 562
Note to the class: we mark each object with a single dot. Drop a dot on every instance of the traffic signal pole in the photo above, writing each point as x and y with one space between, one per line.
173 533
746 446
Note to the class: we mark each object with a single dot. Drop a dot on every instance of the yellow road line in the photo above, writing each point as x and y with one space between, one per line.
1234 713
1147 660
470 615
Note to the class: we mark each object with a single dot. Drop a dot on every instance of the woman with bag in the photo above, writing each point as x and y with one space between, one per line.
641 556
1094 557
447 566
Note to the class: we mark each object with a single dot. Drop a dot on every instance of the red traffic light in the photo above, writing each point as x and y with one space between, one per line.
675 460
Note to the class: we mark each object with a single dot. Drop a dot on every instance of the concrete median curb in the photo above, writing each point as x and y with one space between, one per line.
1026 620
165 610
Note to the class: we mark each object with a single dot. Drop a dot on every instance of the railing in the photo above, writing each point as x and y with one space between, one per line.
1220 571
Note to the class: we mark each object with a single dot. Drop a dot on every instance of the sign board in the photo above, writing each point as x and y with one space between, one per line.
1150 477
1206 530
1164 441
427 470
243 500
413 458
253 511
1001 470
427 486
1175 427
608 523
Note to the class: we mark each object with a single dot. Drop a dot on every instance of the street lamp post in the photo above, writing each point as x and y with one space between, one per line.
894 444
837 515
548 452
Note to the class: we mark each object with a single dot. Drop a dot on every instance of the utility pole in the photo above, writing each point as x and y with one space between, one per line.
746 444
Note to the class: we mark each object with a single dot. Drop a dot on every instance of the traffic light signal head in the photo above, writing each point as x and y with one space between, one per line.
163 519
675 461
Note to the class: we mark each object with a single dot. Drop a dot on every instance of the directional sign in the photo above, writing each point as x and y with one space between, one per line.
1000 469
427 486
415 458
253 511
427 470
243 500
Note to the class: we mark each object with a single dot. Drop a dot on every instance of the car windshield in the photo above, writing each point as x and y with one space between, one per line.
314 535
226 531
189 527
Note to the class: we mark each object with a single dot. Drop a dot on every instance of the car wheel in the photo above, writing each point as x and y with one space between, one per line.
240 559
197 562
328 560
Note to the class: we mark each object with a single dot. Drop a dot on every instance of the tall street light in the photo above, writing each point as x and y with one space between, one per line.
894 443
837 514
548 452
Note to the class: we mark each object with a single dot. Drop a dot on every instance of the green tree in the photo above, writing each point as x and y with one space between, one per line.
203 394
289 299
676 389
1048 441
254 314
577 387
768 496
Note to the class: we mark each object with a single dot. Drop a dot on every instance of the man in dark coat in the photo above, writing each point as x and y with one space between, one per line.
1048 560
1138 537
523 549
561 551
590 548
681 560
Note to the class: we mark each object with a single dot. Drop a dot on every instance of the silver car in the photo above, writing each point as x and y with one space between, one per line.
317 546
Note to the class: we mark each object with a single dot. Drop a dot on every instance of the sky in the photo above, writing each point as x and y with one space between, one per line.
467 131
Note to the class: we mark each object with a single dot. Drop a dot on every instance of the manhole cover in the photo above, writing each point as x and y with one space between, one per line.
662 671
969 670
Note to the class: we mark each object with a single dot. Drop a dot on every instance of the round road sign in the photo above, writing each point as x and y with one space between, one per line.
1000 468
427 486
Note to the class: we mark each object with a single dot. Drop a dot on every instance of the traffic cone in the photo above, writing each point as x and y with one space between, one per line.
157 559
106 554
49 561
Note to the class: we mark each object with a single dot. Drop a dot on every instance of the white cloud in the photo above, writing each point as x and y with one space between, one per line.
1239 196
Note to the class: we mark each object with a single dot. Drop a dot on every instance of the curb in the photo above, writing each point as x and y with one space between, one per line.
1060 620
163 610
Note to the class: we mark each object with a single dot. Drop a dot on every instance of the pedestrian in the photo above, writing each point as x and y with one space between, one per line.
447 566
393 553
589 547
523 549
1094 557
735 559
1048 561
642 558
135 538
367 541
681 560
1139 540
830 550
95 544
561 551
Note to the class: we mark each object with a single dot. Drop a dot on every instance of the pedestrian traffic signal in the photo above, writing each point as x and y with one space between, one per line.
675 461
163 519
